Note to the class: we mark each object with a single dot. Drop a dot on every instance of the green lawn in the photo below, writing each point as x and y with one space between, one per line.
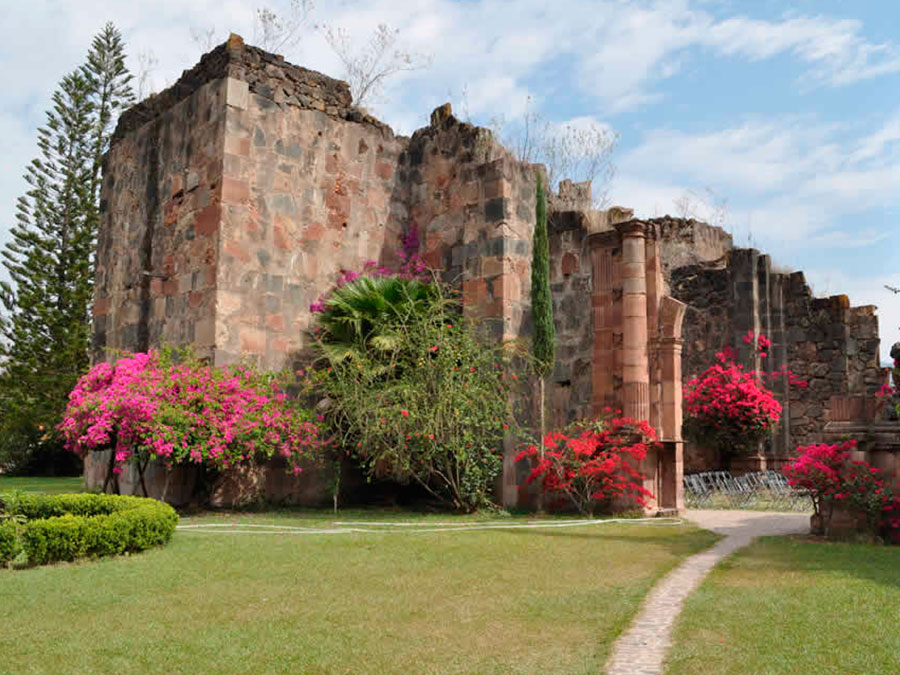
51 484
794 606
494 601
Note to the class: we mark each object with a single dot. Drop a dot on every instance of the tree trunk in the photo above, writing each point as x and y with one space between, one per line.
165 492
540 497
109 469
141 468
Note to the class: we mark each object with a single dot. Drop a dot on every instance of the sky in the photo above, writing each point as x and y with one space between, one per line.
779 119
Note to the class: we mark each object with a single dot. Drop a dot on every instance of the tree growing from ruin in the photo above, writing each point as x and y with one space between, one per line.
276 32
366 68
50 258
580 150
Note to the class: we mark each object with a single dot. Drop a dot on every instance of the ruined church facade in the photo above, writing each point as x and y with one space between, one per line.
232 200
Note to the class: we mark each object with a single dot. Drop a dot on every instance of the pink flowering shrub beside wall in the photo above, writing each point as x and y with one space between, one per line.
150 407
730 408
833 479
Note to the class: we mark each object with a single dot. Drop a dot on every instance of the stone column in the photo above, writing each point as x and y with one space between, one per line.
635 362
670 345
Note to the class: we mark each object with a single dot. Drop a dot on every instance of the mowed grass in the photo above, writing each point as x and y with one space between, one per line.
793 606
495 601
49 484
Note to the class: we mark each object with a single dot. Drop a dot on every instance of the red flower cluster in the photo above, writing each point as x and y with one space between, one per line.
832 477
762 342
594 463
727 405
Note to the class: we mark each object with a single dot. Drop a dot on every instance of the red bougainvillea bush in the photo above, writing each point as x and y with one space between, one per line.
728 407
834 479
593 463
175 409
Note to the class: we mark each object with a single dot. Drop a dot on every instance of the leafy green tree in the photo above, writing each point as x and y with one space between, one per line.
417 397
544 335
44 335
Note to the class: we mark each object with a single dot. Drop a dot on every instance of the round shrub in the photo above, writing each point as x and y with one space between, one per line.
70 526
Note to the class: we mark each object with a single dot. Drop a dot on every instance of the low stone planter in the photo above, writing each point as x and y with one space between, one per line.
842 524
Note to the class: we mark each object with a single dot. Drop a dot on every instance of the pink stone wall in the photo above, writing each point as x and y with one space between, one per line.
304 196
474 207
158 241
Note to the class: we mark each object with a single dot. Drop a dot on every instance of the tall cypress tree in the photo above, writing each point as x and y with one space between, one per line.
544 336
44 334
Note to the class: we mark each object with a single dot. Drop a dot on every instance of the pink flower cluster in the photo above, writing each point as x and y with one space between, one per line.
762 342
144 407
411 267
832 477
731 407
731 401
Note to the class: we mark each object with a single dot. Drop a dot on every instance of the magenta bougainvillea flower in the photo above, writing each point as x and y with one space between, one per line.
145 406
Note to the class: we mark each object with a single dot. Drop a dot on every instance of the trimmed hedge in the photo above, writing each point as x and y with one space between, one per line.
70 526
7 541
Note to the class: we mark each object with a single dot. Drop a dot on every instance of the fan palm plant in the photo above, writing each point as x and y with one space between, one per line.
368 314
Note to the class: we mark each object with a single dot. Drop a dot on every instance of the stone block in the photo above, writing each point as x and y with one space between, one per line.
235 191
237 93
496 209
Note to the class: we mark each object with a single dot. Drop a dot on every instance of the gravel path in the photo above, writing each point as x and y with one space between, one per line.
641 649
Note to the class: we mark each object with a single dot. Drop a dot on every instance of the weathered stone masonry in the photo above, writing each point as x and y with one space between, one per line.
232 200
825 341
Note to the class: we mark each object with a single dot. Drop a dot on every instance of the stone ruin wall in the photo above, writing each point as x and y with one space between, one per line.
225 221
825 341
473 205
233 199
158 243
222 233
304 195
728 291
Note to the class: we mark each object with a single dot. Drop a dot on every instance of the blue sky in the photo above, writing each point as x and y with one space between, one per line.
786 113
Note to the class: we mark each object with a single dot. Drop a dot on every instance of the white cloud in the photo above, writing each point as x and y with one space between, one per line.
790 179
757 155
640 45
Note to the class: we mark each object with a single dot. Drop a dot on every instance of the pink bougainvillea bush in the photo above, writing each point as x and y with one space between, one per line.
832 479
152 406
729 407
592 464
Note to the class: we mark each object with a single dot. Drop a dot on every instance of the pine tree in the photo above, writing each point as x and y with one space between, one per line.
544 336
45 332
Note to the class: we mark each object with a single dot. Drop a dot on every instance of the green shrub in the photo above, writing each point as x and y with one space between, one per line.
8 546
415 391
71 526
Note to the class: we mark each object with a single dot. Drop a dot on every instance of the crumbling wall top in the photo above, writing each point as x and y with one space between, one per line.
267 75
